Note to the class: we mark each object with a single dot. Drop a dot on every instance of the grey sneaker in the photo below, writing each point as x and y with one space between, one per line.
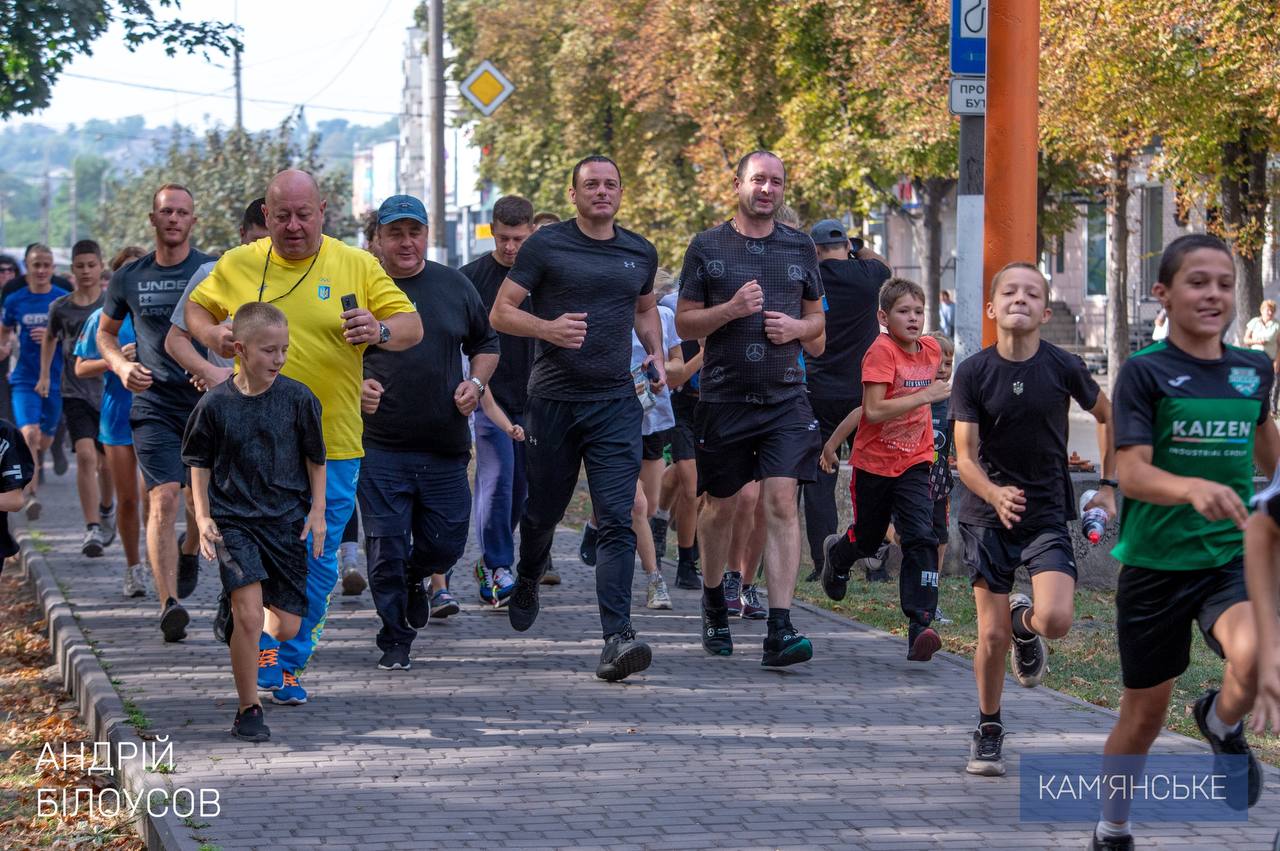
985 756
91 546
733 593
108 526
134 581
1030 656
656 595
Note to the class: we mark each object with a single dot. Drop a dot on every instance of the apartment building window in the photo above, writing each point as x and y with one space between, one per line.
1152 235
1096 249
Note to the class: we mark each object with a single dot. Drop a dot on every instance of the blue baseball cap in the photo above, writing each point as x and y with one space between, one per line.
828 232
399 207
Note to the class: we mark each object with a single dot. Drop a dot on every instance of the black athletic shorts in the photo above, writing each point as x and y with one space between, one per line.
738 443
82 420
941 512
654 444
157 441
270 553
996 554
1154 611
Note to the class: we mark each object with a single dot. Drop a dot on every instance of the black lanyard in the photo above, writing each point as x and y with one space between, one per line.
263 286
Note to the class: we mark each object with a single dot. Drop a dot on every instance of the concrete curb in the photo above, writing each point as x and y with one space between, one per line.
100 706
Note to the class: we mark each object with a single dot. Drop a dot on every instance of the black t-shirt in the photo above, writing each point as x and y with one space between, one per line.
566 271
417 412
66 318
740 364
1021 409
256 449
852 291
149 291
16 469
510 382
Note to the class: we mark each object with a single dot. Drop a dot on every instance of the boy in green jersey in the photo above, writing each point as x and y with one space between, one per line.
1191 420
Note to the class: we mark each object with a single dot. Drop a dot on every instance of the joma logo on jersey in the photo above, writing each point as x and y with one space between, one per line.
1197 430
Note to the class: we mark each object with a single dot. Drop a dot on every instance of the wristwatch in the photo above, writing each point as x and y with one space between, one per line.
1110 483
384 333
479 385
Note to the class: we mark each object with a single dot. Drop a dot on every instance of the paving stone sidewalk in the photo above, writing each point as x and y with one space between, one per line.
499 740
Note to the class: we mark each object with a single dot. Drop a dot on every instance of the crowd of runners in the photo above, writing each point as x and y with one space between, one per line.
268 392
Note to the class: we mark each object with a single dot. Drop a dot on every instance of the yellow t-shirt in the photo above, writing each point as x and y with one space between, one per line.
319 356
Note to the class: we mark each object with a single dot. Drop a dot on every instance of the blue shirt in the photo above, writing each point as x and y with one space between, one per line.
27 311
87 348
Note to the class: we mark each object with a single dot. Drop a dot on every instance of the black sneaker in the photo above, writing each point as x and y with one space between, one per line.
716 638
922 643
1234 744
60 463
522 607
878 574
418 610
658 527
815 575
1111 843
249 725
834 582
188 570
688 576
787 647
985 757
223 624
174 620
623 655
587 548
395 659
1030 656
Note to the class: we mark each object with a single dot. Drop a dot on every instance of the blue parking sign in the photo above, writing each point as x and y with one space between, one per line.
969 37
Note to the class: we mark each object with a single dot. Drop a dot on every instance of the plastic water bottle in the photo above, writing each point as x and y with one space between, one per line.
1094 520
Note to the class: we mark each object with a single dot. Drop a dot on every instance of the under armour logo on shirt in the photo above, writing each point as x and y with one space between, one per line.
628 264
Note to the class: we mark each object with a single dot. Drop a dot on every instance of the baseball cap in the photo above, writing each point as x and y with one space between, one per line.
828 232
399 207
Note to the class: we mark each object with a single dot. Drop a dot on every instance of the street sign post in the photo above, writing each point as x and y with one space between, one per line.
969 37
968 96
487 88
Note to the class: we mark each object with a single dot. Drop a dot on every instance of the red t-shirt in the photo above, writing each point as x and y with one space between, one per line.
891 447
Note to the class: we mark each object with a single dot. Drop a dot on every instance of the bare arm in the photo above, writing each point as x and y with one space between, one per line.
133 375
47 346
209 534
878 409
205 375
406 331
89 367
648 326
1009 502
466 396
675 367
1266 447
315 524
1141 479
847 426
499 417
1261 546
568 331
11 501
1106 498
695 319
202 326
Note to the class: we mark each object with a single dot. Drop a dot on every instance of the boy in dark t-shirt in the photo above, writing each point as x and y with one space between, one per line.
16 469
257 461
1010 403
1192 420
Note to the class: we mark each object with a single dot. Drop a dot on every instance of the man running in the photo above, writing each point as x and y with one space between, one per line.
147 290
591 282
307 275
751 287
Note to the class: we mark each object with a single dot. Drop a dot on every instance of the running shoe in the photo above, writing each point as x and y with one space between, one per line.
223 623
395 659
688 575
716 637
1233 744
752 609
353 581
656 594
623 655
32 507
134 581
270 674
874 567
108 519
91 546
658 527
60 463
417 610
787 647
249 725
522 605
483 584
587 548
291 693
1111 843
922 643
835 583
939 618
188 570
503 584
1030 656
173 621
733 593
443 604
815 575
550 577
985 757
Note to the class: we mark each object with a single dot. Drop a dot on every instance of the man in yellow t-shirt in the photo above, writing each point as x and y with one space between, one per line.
307 275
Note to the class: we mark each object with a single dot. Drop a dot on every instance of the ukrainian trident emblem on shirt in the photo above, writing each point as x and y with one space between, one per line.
1017 388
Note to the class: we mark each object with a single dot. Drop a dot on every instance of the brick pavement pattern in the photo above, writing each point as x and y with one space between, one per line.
497 739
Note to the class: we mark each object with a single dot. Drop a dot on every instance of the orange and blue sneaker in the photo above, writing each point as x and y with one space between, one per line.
270 674
291 693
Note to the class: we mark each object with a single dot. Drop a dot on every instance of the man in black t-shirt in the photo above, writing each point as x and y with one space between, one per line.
751 287
590 282
147 289
851 290
500 461
415 500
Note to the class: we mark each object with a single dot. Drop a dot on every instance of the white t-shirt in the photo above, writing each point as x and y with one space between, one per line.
1259 329
659 417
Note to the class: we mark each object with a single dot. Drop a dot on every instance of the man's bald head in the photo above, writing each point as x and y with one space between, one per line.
295 214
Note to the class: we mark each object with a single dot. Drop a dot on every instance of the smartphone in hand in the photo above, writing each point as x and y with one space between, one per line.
349 302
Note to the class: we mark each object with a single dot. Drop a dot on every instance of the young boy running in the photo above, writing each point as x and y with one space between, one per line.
892 453
1010 403
1191 421
257 462
81 397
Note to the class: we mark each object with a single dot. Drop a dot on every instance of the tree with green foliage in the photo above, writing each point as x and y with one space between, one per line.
40 39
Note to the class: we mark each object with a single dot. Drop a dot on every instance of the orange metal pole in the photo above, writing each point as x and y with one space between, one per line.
1012 139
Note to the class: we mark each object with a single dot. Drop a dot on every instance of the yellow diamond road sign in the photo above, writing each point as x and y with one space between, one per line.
487 88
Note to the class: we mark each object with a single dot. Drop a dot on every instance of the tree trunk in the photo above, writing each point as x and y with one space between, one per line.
1117 266
932 191
1244 217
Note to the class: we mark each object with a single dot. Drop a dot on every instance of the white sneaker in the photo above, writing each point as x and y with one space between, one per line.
135 581
656 595
108 527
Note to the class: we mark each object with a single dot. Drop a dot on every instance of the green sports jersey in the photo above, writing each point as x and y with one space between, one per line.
1199 417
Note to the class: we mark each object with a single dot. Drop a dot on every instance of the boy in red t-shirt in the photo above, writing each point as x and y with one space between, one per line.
892 453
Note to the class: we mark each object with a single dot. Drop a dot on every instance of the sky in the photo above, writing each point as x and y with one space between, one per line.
343 59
